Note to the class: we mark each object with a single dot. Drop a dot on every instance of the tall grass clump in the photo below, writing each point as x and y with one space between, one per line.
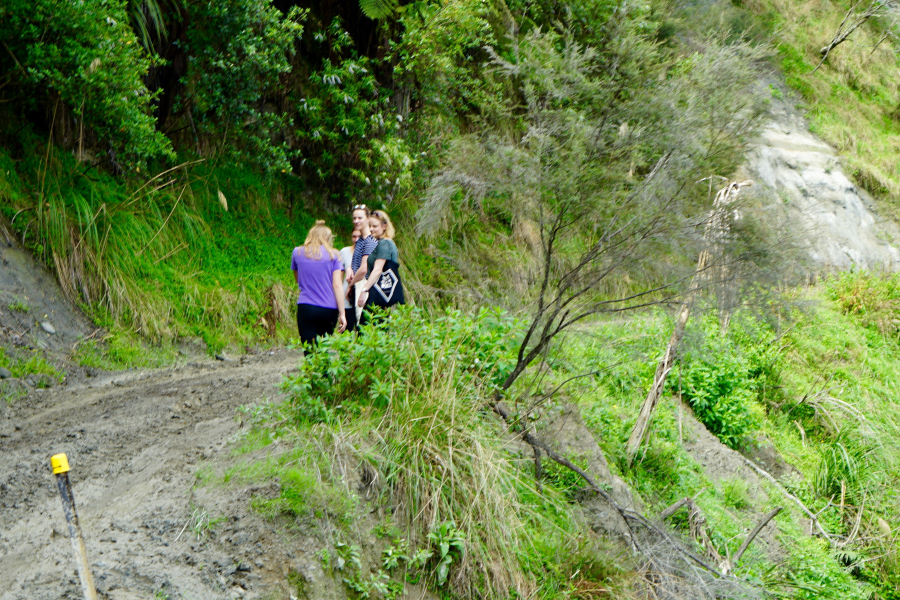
161 258
872 298
405 405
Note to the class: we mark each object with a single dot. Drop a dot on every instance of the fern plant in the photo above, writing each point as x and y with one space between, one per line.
378 9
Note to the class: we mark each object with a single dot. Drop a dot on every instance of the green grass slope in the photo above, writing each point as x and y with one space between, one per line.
197 253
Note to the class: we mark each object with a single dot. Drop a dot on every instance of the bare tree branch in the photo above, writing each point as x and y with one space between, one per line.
716 229
731 564
851 23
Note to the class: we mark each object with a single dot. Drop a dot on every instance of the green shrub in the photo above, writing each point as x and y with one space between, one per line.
721 381
86 56
346 375
239 52
407 401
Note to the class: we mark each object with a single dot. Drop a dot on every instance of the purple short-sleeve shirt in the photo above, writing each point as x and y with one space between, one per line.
316 277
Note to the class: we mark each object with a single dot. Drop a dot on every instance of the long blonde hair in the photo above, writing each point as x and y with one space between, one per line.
319 236
386 221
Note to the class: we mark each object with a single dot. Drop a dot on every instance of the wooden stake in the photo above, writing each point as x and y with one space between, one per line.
60 466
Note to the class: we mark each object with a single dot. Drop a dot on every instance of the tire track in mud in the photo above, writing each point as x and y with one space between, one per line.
134 441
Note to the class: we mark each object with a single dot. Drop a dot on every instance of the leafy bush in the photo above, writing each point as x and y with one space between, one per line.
407 402
721 380
238 52
346 375
85 56
349 136
450 545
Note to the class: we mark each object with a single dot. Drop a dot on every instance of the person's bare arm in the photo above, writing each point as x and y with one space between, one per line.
360 274
337 282
377 268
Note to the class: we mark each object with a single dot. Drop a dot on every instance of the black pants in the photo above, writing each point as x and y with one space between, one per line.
351 312
315 321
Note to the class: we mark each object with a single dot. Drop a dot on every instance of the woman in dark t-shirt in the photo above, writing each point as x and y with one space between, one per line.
359 265
385 253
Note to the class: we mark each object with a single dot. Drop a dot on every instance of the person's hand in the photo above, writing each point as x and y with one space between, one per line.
342 322
362 299
349 276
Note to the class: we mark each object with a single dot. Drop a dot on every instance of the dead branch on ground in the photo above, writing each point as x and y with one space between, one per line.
672 570
716 230
809 514
696 523
729 565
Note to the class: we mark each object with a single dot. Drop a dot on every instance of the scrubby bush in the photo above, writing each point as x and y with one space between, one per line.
349 135
721 378
238 52
407 400
346 375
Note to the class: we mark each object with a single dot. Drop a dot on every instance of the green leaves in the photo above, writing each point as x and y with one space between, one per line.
344 374
238 52
451 546
83 57
350 139
719 379
378 9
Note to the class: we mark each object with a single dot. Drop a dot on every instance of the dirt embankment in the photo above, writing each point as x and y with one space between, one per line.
135 442
33 310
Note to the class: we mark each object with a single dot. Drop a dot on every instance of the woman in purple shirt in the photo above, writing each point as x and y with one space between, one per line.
317 268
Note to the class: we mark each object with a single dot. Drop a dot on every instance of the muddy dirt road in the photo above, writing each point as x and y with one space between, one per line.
135 441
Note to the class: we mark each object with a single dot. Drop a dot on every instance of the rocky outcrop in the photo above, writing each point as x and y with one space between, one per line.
835 221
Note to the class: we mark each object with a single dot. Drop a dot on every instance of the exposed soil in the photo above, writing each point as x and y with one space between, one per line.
135 441
721 463
33 310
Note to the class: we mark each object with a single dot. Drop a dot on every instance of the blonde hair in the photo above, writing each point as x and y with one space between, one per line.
319 236
386 221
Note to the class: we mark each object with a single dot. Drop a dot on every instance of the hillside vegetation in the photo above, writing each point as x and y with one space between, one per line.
551 169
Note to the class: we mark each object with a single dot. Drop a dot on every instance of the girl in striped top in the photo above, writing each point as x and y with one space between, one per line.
356 277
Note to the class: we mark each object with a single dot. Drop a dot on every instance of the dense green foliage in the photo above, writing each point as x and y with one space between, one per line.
407 400
344 369
350 137
722 378
85 57
238 52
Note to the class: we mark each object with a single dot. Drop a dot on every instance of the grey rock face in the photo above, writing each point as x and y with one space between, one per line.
834 220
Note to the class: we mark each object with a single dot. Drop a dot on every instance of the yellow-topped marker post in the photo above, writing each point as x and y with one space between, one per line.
60 465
